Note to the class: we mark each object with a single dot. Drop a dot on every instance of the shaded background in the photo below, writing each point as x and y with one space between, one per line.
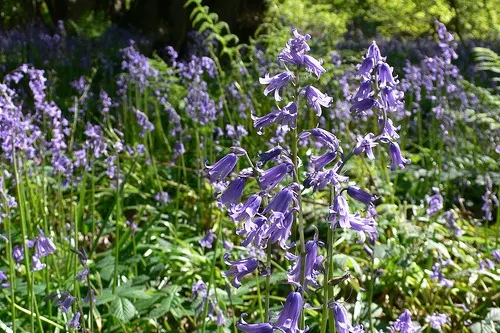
167 21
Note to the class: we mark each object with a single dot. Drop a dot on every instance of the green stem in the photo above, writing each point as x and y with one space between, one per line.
12 271
117 224
212 274
21 202
269 252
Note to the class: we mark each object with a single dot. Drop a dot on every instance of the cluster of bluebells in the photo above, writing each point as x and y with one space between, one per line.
199 104
439 81
264 223
437 274
404 324
42 247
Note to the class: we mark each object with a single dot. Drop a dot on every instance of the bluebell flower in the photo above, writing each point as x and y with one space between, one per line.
451 222
276 82
312 265
390 97
322 136
437 275
366 67
404 324
295 48
74 323
314 66
288 319
65 301
397 157
246 211
342 321
221 168
374 52
82 275
286 116
220 320
321 161
43 245
255 232
239 268
361 106
359 195
207 240
36 264
270 178
315 99
496 254
3 277
320 180
269 155
282 200
254 328
280 228
489 200
365 144
434 202
437 321
18 253
363 225
87 298
340 211
162 197
364 91
233 192
389 132
385 75
143 121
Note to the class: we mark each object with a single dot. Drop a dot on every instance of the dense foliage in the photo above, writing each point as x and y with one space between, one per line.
281 185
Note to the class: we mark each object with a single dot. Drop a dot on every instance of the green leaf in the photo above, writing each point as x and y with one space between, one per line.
132 292
123 309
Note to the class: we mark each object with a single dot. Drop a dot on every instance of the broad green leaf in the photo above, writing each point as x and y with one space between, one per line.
123 309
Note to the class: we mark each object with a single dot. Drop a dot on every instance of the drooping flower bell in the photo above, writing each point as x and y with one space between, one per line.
255 232
270 178
239 268
287 321
233 192
404 324
342 321
222 168
434 202
43 245
285 117
207 240
316 99
322 136
280 228
312 265
359 195
281 201
365 144
397 157
74 323
313 65
243 212
276 83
